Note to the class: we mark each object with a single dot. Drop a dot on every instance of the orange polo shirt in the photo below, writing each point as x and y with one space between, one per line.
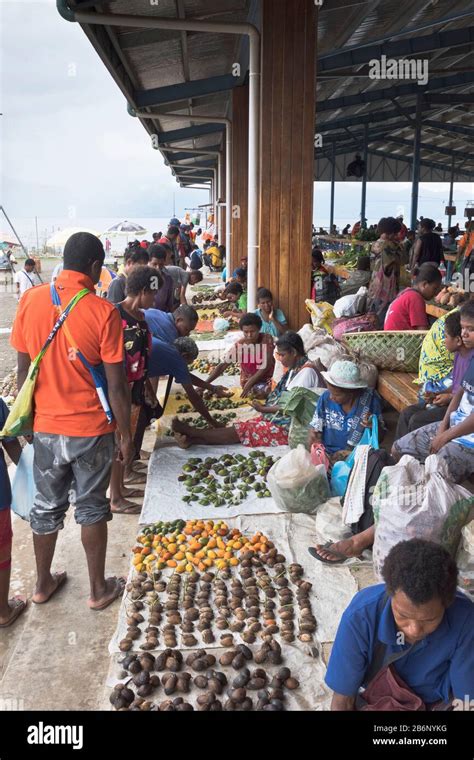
66 400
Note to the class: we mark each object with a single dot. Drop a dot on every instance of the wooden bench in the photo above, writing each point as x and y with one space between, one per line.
397 388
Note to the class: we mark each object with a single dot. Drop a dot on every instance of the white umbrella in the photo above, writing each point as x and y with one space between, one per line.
126 228
60 238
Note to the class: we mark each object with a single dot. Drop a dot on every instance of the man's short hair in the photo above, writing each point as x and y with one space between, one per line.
196 275
81 250
30 262
250 320
187 347
143 278
234 289
139 257
421 569
172 231
159 252
186 312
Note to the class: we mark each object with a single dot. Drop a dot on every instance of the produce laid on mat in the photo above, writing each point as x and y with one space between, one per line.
170 683
205 367
201 424
201 583
226 480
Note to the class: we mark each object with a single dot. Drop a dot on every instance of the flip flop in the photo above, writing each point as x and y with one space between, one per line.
137 493
134 509
135 479
119 587
61 579
139 466
341 557
17 605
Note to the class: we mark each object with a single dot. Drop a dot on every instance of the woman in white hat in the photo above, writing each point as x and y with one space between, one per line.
344 410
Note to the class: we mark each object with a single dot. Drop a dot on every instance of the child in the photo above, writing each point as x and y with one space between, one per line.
408 310
325 284
232 293
254 353
10 609
416 416
273 320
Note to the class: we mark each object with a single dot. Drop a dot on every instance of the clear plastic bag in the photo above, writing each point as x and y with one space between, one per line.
296 485
23 486
412 500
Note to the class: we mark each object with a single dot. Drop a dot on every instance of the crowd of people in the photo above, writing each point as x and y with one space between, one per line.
88 437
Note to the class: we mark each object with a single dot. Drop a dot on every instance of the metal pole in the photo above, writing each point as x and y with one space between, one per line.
415 182
333 184
364 178
253 171
451 191
37 238
228 191
219 200
14 230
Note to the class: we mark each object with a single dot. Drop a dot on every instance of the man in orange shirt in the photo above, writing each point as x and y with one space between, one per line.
74 441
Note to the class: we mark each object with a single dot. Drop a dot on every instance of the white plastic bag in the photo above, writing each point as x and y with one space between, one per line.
23 486
351 305
296 484
412 500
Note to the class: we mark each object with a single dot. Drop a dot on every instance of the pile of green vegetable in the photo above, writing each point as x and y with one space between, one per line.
226 481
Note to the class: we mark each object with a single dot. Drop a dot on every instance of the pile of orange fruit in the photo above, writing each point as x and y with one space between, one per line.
200 545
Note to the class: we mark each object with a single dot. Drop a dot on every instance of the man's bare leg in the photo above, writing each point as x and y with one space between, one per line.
103 590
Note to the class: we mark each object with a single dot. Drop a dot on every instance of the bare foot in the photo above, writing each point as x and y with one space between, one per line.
178 426
182 441
15 607
43 595
112 590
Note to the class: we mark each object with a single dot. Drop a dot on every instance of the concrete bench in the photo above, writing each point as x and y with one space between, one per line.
397 388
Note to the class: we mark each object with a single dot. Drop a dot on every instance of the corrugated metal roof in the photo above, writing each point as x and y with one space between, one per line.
144 61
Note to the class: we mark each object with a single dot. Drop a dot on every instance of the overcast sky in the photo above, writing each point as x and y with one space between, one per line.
67 140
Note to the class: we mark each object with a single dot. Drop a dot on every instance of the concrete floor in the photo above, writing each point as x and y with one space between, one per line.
56 656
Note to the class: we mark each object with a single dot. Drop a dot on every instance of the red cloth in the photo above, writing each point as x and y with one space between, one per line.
261 432
407 312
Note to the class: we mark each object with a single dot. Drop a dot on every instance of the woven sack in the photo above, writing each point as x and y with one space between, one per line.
397 351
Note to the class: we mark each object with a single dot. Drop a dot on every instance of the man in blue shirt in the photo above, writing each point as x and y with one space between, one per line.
168 327
172 360
418 611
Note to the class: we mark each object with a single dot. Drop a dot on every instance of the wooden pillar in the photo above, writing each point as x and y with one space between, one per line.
240 152
287 153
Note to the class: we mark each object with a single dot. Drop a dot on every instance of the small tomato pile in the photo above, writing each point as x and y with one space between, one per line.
196 544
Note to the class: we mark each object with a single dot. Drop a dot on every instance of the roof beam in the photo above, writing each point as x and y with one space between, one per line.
187 133
357 119
459 129
406 159
184 90
396 49
453 99
461 155
388 93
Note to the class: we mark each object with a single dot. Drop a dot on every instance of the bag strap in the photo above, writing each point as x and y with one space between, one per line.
379 661
72 303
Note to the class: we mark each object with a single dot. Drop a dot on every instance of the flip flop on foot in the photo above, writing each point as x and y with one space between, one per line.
114 589
125 507
59 579
144 455
135 478
135 493
138 466
318 551
17 605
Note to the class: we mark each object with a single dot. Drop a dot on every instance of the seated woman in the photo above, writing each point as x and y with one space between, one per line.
408 310
359 278
232 293
417 617
270 428
439 393
273 320
452 439
325 283
254 354
343 411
